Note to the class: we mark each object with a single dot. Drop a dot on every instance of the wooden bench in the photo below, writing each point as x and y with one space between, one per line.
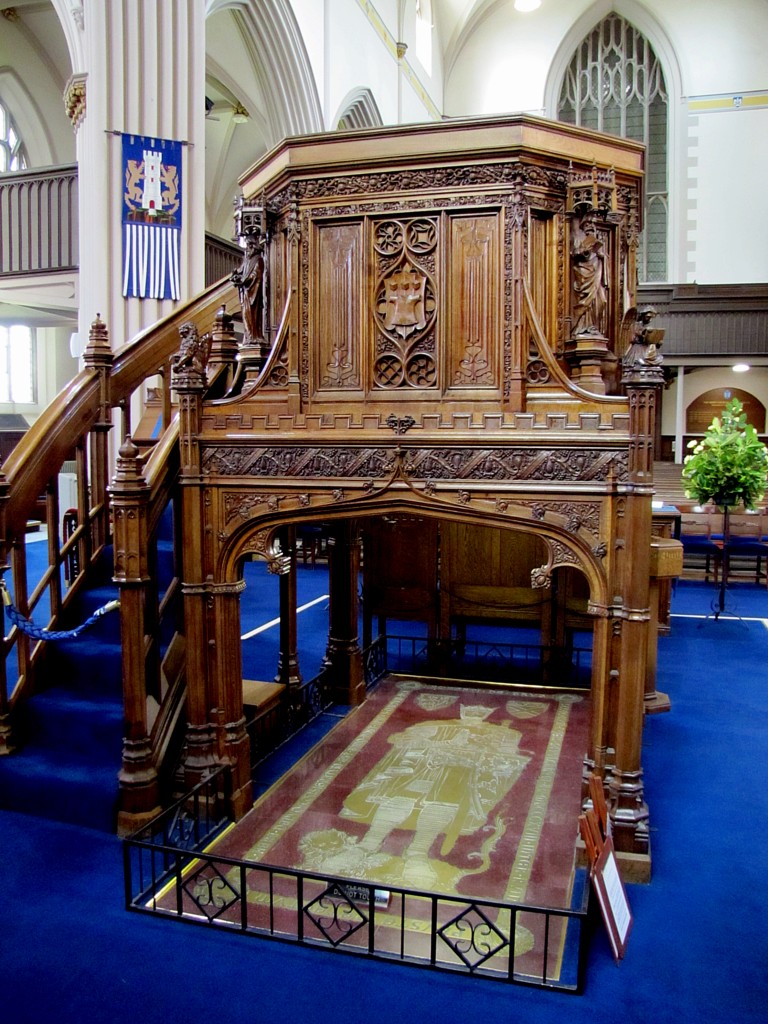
264 717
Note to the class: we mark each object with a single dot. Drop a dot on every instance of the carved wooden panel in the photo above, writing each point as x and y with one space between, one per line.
486 573
405 304
400 568
489 557
278 276
545 273
339 304
474 329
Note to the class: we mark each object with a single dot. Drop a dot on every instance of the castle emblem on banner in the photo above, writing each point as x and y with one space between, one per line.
151 217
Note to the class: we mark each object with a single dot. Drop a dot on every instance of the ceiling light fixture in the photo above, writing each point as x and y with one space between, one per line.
740 367
527 5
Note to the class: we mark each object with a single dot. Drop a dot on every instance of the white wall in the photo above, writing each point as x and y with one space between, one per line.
352 46
711 51
727 199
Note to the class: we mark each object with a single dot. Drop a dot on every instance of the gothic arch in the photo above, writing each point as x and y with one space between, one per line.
281 63
358 109
647 24
29 122
567 542
71 18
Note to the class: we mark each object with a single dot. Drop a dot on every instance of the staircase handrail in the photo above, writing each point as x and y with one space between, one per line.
559 377
74 412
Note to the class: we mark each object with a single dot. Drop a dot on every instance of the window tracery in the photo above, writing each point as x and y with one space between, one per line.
615 83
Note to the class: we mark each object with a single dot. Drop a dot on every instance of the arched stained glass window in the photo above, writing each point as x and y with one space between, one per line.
13 156
615 84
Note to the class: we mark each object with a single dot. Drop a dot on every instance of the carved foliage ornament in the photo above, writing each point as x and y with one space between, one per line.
424 463
456 178
579 515
242 506
559 555
267 546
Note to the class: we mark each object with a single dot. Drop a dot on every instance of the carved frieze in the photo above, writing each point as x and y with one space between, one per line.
457 178
465 464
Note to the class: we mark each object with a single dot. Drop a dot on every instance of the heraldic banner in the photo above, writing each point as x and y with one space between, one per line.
151 217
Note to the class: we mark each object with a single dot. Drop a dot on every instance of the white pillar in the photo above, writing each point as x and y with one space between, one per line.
680 414
144 70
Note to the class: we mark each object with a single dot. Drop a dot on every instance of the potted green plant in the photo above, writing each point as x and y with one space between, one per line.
727 468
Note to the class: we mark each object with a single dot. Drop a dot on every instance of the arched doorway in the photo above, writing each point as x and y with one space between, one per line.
445 598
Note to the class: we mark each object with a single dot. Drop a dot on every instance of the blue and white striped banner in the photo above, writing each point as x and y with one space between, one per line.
151 217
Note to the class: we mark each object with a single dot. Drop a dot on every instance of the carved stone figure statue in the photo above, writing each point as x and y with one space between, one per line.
249 281
589 268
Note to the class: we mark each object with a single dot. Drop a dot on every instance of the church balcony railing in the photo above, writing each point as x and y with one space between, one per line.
39 226
39 221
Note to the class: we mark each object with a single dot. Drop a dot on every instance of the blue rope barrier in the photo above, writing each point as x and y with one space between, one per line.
40 633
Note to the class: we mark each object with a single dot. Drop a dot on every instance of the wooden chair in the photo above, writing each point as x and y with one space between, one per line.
746 543
696 536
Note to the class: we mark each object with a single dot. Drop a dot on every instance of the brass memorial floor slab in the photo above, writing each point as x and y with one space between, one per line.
463 791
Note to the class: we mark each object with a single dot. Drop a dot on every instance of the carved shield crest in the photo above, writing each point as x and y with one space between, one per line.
404 295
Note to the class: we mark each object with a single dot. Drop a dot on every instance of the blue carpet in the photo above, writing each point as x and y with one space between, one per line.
70 953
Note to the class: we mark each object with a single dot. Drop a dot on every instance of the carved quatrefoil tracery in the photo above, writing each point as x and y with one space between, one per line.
406 303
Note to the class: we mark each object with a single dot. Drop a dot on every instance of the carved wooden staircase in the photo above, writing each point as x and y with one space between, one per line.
84 722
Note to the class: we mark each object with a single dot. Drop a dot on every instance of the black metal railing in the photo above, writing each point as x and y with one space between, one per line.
458 658
170 871
273 726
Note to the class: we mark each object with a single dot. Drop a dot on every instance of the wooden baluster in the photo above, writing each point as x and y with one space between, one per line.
139 789
98 357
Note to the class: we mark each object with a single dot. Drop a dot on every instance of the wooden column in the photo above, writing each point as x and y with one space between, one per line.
200 757
629 811
139 789
226 683
288 671
98 356
515 383
666 565
343 658
601 681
